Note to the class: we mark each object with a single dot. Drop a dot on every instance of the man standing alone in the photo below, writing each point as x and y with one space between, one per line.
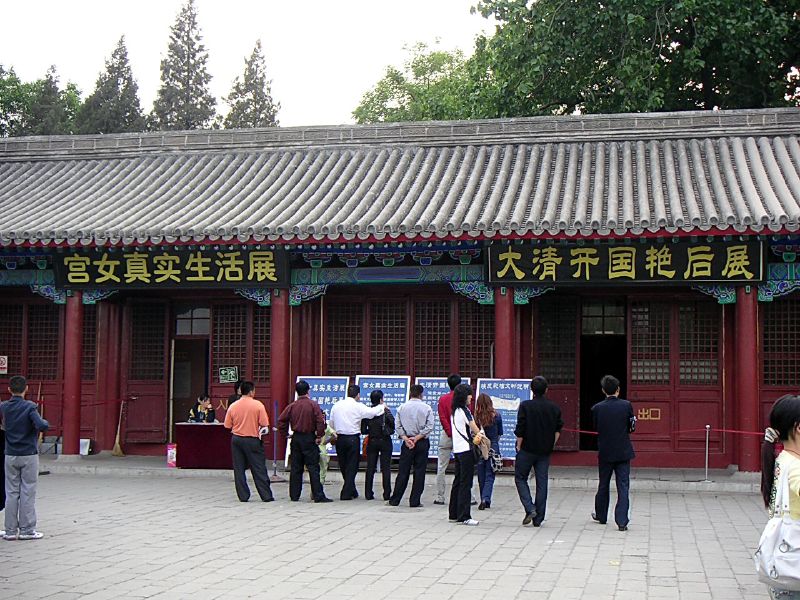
245 419
414 425
21 422
614 422
346 418
538 428
305 418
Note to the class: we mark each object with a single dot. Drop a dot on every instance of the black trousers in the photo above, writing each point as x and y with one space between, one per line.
540 463
622 473
304 454
416 458
462 486
347 450
379 449
2 469
248 452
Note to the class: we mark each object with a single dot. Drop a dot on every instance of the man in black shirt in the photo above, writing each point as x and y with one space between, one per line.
538 428
614 422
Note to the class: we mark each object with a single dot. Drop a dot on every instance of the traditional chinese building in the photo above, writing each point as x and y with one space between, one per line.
661 248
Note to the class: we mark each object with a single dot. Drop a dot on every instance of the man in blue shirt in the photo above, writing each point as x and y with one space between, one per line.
22 422
614 422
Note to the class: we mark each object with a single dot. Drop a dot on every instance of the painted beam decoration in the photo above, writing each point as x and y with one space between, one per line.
435 387
649 262
395 392
506 394
135 268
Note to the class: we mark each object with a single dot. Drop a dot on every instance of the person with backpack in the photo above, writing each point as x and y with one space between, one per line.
379 431
414 425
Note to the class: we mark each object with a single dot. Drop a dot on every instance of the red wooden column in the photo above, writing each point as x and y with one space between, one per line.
504 332
747 393
279 355
73 350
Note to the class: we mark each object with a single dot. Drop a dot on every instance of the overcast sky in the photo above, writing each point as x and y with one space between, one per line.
322 56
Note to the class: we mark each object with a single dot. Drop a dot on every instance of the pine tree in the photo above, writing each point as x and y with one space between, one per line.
51 111
114 105
184 101
251 96
15 99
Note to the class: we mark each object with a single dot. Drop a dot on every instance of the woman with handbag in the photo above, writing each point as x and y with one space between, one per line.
491 424
464 428
780 488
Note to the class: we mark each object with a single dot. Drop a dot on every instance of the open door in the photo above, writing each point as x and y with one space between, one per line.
189 376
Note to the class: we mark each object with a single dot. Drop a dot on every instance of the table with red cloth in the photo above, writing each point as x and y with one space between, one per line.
203 446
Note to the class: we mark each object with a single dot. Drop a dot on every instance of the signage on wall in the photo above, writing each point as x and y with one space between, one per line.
649 262
228 374
435 387
326 391
172 268
395 392
3 365
506 394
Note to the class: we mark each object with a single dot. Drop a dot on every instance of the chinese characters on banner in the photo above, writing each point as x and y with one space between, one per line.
326 391
506 397
395 392
434 388
136 268
649 262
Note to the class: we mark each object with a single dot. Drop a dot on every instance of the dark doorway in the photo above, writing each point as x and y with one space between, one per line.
189 376
603 352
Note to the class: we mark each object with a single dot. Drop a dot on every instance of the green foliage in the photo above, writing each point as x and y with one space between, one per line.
48 109
433 85
15 98
559 56
114 105
251 96
184 100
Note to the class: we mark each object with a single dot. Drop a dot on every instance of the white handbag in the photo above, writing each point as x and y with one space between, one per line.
778 556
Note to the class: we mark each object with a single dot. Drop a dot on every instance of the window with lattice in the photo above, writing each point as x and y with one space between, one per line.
650 343
89 353
388 349
11 334
229 337
432 338
261 343
556 340
343 330
475 339
781 342
699 326
43 341
147 342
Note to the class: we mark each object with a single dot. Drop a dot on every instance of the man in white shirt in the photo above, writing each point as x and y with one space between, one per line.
345 419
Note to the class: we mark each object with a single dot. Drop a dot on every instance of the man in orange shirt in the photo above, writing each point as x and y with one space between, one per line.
245 418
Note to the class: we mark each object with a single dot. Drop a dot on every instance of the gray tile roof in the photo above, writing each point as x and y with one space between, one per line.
604 174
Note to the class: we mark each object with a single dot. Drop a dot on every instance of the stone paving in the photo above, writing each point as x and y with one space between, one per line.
141 537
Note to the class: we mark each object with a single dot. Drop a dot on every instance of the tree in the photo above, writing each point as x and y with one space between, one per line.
184 101
560 56
114 105
433 85
251 95
49 110
15 96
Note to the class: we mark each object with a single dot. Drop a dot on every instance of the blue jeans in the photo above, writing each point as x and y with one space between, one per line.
622 473
540 463
486 475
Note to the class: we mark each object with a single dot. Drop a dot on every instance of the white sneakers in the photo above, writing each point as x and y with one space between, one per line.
471 522
35 535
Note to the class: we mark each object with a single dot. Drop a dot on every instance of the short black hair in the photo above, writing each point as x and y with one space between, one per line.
353 390
247 388
416 391
17 384
237 387
610 385
301 387
453 380
539 385
375 397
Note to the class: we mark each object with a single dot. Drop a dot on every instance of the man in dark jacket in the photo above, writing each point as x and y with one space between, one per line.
614 422
379 446
22 422
538 428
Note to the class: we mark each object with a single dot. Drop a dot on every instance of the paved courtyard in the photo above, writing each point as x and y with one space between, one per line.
170 537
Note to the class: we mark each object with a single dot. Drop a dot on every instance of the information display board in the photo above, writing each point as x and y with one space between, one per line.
326 391
435 387
395 392
506 396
